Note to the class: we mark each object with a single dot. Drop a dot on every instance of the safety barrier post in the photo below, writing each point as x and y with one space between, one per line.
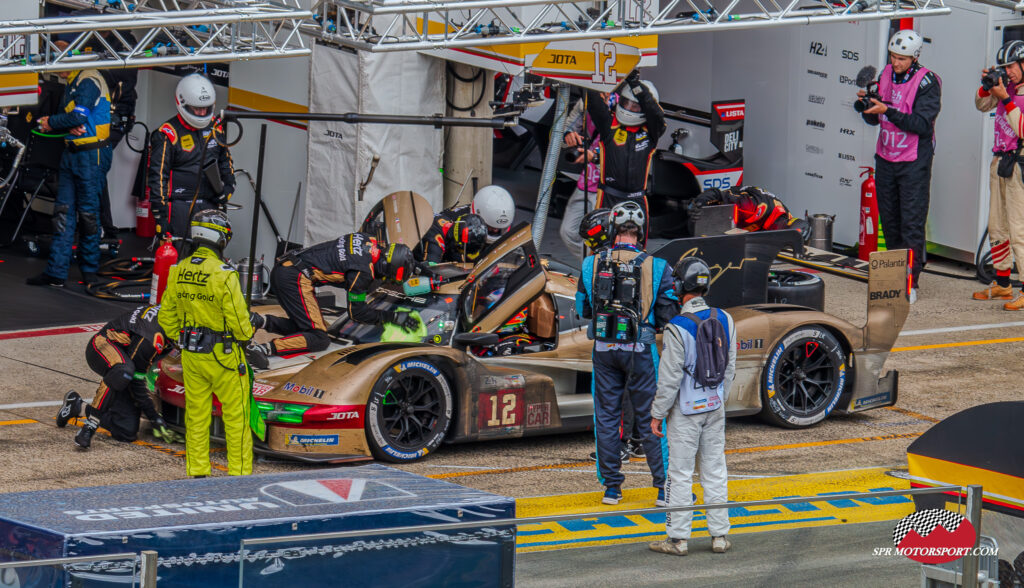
970 561
147 570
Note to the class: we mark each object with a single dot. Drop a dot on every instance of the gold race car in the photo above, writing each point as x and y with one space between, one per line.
502 354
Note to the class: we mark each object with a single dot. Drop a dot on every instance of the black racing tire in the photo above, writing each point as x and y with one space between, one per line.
803 378
794 287
409 411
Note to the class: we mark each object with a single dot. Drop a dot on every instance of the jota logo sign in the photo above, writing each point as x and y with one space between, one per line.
934 536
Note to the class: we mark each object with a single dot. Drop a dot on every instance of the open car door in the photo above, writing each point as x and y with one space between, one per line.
502 284
400 217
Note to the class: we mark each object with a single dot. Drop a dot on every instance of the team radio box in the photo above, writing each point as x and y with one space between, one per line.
196 528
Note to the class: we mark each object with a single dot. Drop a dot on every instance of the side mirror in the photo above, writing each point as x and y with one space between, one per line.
480 339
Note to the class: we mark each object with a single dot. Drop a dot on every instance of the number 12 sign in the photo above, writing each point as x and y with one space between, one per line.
597 64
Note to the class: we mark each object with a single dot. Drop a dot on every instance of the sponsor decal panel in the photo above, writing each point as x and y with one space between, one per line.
818 48
845 131
816 99
816 124
850 55
307 440
816 73
814 175
846 182
846 157
814 149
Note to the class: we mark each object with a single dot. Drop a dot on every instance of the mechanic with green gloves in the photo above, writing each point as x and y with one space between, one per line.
204 306
121 353
354 262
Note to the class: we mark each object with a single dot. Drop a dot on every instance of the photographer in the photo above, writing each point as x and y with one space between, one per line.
906 105
1001 89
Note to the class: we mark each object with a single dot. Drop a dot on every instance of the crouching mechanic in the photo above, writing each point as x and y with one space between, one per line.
628 296
628 141
453 240
756 209
203 305
354 262
121 353
695 376
1006 191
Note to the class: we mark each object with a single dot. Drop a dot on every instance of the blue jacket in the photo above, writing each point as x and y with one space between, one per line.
660 299
86 102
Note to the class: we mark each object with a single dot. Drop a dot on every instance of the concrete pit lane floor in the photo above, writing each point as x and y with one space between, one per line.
953 353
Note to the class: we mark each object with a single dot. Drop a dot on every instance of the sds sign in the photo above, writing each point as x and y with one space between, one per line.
851 55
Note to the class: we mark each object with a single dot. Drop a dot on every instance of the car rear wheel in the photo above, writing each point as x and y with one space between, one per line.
409 411
794 287
803 378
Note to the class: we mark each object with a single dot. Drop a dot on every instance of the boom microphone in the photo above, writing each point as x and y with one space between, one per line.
866 75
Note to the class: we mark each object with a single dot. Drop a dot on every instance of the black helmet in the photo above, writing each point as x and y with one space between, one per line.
692 276
395 263
210 227
1010 52
469 234
625 214
594 228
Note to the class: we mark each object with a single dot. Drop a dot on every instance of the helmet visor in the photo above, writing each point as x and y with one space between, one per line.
629 105
199 111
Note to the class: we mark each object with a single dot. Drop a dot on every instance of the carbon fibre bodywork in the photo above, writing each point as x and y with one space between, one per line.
545 388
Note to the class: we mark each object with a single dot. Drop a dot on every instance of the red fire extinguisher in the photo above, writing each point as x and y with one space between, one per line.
867 242
166 256
145 224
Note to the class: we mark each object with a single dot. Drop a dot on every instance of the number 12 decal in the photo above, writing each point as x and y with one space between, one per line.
605 55
503 408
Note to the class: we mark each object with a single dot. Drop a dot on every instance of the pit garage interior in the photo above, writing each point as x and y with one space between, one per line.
791 68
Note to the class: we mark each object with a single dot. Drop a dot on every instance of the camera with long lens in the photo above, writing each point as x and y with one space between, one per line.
993 77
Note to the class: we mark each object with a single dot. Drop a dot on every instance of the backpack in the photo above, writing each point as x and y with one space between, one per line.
712 350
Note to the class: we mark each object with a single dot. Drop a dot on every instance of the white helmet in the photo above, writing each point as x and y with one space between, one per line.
624 213
906 43
195 91
495 206
628 117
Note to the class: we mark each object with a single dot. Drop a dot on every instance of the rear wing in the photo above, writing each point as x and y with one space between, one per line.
888 297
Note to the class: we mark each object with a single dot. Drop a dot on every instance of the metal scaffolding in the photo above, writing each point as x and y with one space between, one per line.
378 26
152 33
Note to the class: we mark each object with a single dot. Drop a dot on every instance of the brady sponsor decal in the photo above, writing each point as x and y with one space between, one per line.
814 149
815 99
884 294
296 439
850 55
814 175
845 131
847 157
818 48
820 74
816 124
731 112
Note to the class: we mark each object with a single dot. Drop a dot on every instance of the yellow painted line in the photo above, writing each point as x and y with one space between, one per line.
910 413
18 422
639 528
959 344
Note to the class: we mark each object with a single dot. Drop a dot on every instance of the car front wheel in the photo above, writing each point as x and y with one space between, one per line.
409 411
803 378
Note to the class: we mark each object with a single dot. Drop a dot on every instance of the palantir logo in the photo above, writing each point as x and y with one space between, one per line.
934 536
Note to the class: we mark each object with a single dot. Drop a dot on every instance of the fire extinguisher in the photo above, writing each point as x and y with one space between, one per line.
166 256
145 224
867 242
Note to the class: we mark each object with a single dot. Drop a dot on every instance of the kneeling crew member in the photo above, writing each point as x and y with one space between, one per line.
628 296
756 209
628 141
186 161
204 305
461 240
353 262
127 345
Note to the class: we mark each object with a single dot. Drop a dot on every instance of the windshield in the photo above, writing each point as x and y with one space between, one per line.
436 313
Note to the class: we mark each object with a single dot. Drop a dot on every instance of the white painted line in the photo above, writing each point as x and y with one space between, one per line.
963 328
42 404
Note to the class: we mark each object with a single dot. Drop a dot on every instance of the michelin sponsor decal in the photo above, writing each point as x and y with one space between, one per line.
307 440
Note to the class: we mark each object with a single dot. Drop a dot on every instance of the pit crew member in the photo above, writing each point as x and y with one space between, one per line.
460 239
121 353
627 294
203 305
186 162
353 262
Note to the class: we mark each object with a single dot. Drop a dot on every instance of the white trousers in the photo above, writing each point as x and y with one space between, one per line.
700 435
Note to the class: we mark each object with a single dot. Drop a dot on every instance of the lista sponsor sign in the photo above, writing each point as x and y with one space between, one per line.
846 157
731 112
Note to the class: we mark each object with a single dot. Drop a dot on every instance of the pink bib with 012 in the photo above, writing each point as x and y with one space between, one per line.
893 144
1006 139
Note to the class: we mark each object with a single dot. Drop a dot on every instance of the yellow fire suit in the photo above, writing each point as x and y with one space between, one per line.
202 292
